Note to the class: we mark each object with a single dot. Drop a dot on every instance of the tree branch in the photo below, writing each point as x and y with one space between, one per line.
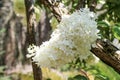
55 8
81 3
30 14
107 52
92 4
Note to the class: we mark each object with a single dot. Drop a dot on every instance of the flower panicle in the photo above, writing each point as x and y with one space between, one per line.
72 38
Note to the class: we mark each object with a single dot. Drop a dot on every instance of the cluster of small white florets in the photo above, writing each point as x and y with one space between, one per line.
71 39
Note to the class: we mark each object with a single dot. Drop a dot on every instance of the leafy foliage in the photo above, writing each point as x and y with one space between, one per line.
109 21
78 77
102 71
2 76
116 31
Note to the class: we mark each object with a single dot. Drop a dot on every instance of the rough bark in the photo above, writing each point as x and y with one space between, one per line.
6 13
107 52
12 34
10 43
55 8
30 14
44 25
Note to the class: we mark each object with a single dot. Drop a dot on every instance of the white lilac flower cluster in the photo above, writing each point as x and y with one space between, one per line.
71 39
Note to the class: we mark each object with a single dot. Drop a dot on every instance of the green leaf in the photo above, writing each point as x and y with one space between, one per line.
103 24
100 77
79 77
116 32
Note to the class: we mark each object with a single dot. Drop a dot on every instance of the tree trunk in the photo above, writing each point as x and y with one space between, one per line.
12 34
30 14
44 28
6 13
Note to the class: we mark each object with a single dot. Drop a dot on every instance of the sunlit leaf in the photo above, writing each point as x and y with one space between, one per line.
116 32
100 77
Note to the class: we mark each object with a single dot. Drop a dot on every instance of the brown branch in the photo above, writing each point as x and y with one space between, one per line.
92 4
107 53
81 4
54 7
30 14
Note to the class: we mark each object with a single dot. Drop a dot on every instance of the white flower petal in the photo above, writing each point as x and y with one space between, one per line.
71 39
